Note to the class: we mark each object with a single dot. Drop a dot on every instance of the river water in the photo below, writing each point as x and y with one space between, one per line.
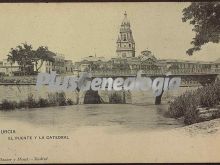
99 132
141 115
123 117
103 133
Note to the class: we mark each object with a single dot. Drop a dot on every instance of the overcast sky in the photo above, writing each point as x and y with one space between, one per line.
81 29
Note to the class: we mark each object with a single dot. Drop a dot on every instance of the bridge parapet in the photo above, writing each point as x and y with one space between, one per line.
132 73
124 73
188 71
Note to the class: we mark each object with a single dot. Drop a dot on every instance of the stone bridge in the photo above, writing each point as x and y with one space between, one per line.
189 78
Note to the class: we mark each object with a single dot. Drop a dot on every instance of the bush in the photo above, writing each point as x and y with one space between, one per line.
22 104
208 96
182 104
31 102
69 102
61 98
186 104
8 105
52 99
55 99
115 98
191 115
43 102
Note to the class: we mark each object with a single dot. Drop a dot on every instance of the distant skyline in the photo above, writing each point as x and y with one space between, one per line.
78 30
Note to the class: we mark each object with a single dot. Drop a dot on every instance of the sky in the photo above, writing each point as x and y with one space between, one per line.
79 30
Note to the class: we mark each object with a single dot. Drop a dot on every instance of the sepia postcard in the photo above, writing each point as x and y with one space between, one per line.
125 82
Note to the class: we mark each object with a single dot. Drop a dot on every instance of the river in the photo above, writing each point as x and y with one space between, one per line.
104 133
69 118
141 115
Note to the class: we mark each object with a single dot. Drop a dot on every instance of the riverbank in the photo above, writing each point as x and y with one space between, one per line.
198 105
206 128
52 100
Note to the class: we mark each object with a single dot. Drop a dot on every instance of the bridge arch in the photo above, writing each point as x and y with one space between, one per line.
92 97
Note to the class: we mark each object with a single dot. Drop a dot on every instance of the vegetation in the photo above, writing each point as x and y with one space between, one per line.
115 98
187 104
26 57
205 17
55 99
58 99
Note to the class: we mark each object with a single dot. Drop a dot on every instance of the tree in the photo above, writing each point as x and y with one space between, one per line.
205 17
42 54
22 54
26 57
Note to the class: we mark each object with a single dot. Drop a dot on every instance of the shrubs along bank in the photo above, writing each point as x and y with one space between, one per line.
53 99
192 105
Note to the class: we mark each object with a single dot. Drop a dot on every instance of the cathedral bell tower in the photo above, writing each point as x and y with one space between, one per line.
125 42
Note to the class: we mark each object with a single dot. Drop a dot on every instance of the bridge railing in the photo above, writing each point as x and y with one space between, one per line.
124 73
194 71
110 73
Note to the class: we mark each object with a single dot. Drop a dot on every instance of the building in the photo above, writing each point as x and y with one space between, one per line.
59 64
125 41
93 58
9 68
68 64
90 63
52 62
56 63
44 66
